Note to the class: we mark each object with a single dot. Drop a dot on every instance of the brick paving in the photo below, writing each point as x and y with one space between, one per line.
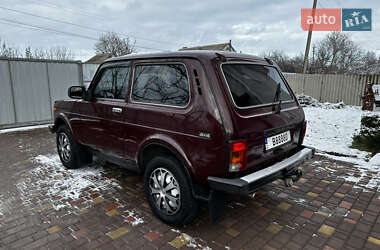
322 211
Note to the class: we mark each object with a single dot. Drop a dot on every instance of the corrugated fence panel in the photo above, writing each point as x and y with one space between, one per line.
331 88
295 82
6 101
61 77
31 91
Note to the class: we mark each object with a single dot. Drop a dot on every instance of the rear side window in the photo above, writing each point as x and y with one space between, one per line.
113 83
252 84
165 84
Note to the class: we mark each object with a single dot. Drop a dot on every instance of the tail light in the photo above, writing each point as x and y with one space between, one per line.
238 157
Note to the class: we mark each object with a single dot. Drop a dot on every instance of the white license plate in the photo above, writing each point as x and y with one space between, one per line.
277 140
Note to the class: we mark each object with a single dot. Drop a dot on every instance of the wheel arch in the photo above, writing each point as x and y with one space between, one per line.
153 148
62 120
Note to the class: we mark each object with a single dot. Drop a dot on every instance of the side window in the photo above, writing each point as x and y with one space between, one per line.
112 83
161 84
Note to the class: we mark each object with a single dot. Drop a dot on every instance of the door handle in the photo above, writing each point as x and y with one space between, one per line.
117 110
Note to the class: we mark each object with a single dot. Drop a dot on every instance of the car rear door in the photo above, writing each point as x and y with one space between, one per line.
264 109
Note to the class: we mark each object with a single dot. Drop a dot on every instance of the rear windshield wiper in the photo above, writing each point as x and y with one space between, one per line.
277 97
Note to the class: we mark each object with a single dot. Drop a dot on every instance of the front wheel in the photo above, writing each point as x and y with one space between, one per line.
72 155
169 192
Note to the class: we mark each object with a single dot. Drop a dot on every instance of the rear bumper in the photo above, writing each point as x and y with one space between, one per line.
250 183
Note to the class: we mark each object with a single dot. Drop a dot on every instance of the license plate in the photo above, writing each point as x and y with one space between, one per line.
277 140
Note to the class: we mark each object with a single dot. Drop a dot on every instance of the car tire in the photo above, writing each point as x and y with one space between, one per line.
71 154
170 198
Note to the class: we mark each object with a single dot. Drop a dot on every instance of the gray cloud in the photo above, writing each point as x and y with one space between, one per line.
254 26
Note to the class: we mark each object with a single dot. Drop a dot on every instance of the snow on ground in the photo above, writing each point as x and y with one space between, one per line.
60 186
136 220
50 177
330 128
192 242
12 130
5 203
69 183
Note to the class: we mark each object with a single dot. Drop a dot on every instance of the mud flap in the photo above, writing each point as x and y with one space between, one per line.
217 204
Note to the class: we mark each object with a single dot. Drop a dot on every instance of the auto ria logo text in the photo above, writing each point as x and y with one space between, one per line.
336 19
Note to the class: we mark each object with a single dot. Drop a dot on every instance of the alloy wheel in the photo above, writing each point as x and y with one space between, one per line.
165 191
64 148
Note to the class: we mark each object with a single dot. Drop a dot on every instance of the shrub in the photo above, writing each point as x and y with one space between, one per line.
368 138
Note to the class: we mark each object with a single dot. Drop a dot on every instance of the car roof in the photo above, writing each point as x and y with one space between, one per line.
198 54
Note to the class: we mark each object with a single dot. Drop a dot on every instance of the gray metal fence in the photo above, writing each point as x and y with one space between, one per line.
332 88
28 88
89 71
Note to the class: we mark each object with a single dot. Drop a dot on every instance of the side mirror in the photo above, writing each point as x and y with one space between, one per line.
76 92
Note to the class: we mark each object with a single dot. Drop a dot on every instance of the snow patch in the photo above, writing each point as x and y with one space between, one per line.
300 201
308 101
330 131
5 203
365 176
20 129
193 242
51 178
136 218
375 161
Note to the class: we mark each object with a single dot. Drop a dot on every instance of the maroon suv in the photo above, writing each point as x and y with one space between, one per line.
196 124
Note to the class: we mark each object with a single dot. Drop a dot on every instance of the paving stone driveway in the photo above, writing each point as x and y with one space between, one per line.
44 206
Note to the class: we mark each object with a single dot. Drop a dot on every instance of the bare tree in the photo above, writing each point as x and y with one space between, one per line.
369 58
285 62
8 51
54 53
59 53
336 53
111 43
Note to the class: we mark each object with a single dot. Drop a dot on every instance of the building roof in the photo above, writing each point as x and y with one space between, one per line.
99 58
219 47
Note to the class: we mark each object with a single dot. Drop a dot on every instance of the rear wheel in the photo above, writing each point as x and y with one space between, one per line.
72 154
169 192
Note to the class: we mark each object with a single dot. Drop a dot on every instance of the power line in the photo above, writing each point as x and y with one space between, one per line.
47 29
77 25
34 27
62 7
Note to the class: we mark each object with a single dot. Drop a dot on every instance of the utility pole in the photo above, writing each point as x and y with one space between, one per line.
305 61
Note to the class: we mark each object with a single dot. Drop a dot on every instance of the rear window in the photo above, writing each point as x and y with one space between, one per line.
252 85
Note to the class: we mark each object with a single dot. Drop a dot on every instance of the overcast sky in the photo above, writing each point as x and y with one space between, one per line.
254 26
